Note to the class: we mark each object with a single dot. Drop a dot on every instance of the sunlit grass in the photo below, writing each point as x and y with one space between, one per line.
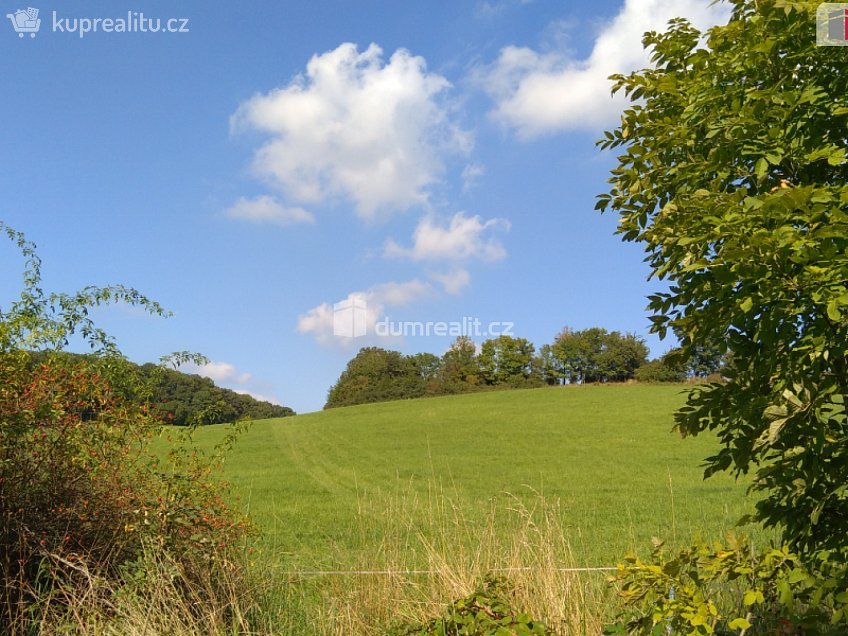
605 454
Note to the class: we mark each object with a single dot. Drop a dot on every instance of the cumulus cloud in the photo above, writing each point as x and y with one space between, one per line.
319 321
356 127
226 374
463 238
266 209
453 282
218 372
257 396
537 93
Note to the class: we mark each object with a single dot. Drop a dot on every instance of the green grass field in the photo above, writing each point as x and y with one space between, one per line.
327 488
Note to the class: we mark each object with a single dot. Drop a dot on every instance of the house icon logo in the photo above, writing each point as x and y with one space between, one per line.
832 24
25 21
349 317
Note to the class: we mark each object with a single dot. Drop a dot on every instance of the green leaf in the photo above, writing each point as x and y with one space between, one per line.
784 592
740 624
774 429
790 397
752 597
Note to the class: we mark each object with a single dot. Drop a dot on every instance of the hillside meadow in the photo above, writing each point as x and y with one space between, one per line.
327 490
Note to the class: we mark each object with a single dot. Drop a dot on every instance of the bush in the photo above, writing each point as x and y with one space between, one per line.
82 495
659 371
731 589
377 375
486 612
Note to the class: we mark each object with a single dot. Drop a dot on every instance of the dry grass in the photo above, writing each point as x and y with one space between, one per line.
159 598
425 568
417 571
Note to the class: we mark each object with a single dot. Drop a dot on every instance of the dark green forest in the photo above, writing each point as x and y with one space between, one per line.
184 399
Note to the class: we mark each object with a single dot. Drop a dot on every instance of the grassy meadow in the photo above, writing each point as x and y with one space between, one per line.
442 491
327 488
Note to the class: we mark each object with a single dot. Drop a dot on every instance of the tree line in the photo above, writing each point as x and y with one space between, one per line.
593 355
184 399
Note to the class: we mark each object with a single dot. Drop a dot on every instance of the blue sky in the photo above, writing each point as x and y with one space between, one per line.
435 159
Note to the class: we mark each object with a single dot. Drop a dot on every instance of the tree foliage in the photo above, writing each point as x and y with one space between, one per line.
83 497
733 175
377 375
179 398
666 368
460 368
506 360
597 355
187 399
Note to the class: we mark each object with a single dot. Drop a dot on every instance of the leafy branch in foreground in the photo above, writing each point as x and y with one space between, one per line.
83 495
733 175
729 588
40 321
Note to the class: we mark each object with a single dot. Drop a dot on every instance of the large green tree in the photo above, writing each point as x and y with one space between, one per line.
732 173
460 369
506 360
598 355
377 375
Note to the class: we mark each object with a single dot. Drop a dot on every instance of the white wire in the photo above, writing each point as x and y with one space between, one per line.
398 572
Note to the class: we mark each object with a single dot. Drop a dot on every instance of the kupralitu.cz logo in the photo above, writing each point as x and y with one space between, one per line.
27 21
832 24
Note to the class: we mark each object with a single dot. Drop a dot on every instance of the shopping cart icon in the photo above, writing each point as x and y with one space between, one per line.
25 21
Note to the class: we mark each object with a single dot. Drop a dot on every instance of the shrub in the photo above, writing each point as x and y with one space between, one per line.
376 375
82 496
731 589
486 612
660 370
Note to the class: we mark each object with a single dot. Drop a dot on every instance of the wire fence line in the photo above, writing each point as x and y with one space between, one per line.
409 572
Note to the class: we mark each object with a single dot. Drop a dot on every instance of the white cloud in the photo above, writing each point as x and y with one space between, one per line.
224 373
398 294
537 93
318 321
257 396
471 174
218 372
453 282
358 128
489 10
265 209
462 239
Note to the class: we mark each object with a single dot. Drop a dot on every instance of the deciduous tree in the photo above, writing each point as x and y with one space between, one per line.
506 360
732 173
